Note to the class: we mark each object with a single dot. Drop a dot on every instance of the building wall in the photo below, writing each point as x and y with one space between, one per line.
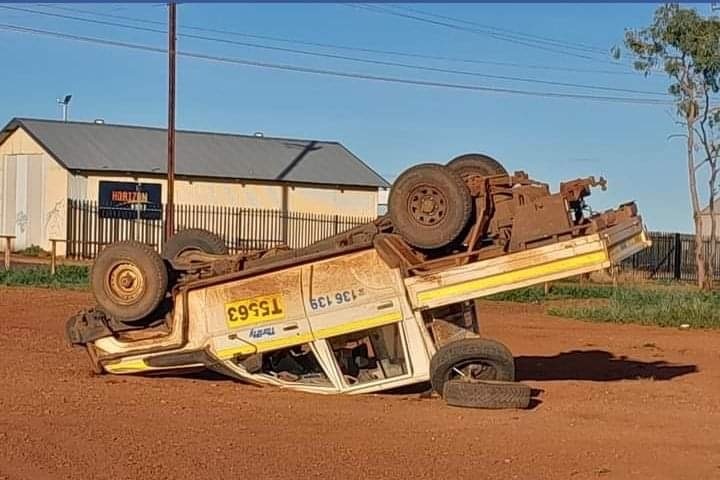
330 201
247 195
33 193
189 192
20 143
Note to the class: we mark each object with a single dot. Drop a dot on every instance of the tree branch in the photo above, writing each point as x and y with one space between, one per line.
698 165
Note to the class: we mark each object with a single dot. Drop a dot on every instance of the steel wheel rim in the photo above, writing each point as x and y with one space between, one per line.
473 370
427 205
125 282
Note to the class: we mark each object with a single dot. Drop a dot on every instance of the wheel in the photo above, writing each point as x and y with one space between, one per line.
129 280
429 205
194 239
476 163
471 358
486 394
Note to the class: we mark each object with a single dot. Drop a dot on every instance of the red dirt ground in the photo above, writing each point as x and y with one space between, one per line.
617 402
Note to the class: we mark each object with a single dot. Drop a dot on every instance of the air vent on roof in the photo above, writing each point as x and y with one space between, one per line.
99 121
259 134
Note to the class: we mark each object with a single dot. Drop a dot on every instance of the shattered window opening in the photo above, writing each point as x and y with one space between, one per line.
296 364
370 355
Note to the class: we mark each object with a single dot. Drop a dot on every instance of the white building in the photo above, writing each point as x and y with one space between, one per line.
43 163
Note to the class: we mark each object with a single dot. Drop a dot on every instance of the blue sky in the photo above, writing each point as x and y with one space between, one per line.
390 126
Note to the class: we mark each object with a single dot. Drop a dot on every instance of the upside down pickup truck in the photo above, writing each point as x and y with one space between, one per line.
385 305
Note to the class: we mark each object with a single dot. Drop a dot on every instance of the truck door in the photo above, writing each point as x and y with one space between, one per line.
352 302
257 314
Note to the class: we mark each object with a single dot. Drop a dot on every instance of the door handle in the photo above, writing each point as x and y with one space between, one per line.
290 327
385 305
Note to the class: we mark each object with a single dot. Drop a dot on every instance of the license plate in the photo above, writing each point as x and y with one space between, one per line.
251 311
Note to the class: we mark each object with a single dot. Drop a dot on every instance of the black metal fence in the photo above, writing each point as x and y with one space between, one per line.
671 257
243 229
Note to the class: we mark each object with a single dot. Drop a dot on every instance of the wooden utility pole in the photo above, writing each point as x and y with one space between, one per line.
170 206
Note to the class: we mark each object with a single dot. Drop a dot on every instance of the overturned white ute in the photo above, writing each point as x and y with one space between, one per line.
381 306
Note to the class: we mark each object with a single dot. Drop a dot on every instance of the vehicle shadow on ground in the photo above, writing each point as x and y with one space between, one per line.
596 366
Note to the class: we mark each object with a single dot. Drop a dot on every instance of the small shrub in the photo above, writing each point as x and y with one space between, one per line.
39 276
33 251
521 295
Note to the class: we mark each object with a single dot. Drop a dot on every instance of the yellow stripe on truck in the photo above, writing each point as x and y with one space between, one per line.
129 366
384 319
269 345
515 276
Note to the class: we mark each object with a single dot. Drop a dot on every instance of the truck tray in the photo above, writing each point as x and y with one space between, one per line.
529 267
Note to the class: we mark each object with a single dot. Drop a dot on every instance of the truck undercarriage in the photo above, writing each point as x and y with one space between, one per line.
386 304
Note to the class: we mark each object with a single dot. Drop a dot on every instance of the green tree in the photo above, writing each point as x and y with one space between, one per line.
686 47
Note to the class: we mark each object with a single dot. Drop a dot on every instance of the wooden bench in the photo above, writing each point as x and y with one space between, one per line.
53 251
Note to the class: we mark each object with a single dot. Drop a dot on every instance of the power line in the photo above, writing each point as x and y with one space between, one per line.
500 31
443 58
386 11
550 41
344 57
336 73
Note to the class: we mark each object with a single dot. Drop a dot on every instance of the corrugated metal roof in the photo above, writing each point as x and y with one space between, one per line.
134 149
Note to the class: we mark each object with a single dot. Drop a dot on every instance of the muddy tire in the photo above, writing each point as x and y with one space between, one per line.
129 280
429 206
194 239
476 358
487 394
476 164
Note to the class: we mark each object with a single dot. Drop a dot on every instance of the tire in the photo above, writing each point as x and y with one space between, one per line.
129 280
462 353
487 394
429 206
194 239
477 164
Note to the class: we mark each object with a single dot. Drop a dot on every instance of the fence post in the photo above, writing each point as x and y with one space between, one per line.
336 224
8 246
53 256
69 228
285 225
678 257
